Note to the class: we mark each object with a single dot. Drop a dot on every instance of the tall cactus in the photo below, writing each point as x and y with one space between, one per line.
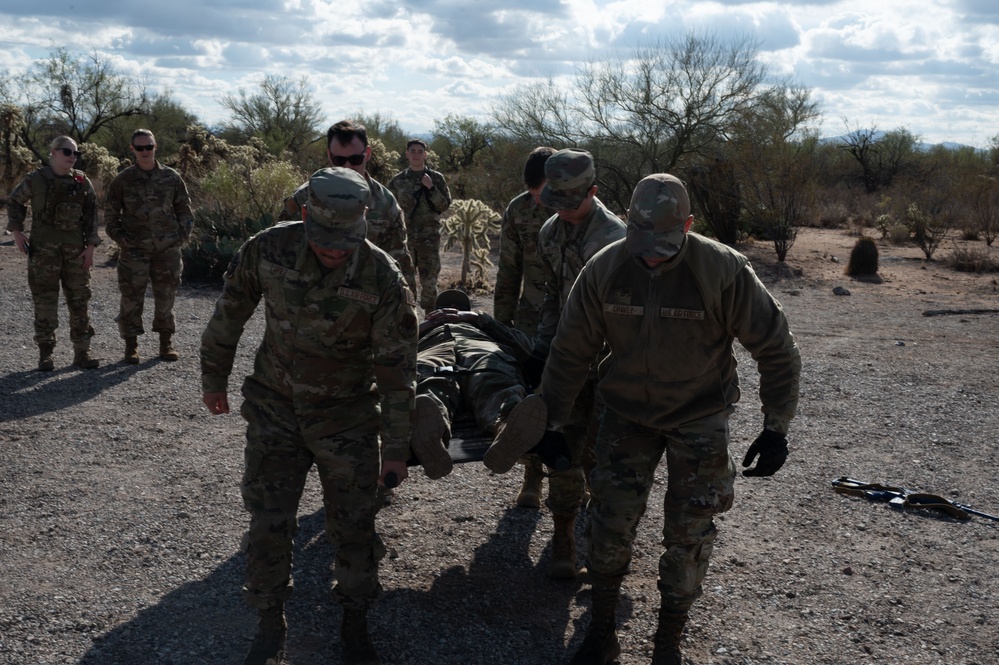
469 223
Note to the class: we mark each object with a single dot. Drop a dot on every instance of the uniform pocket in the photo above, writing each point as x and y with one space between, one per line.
67 216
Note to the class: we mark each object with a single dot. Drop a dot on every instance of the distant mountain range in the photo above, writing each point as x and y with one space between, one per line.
921 146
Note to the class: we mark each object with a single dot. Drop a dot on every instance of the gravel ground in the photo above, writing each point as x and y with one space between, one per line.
121 519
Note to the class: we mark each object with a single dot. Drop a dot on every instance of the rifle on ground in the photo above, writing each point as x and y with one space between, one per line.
900 497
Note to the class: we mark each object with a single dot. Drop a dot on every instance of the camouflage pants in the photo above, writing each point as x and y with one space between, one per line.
482 388
281 447
50 265
700 484
426 250
566 488
136 269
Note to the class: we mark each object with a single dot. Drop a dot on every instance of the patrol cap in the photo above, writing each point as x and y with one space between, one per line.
334 217
656 218
455 299
570 175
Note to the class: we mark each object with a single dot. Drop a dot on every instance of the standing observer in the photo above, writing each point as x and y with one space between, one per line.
424 197
335 370
60 248
148 213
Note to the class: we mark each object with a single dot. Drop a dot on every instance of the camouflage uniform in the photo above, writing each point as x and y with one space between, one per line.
520 279
63 223
487 357
564 249
668 386
335 369
148 213
423 209
386 225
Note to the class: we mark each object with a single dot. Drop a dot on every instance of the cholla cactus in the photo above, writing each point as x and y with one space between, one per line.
469 223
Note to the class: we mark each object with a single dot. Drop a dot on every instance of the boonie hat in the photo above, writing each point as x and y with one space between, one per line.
656 218
570 175
455 299
334 217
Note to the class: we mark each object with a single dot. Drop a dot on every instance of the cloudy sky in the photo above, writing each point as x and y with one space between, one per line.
930 66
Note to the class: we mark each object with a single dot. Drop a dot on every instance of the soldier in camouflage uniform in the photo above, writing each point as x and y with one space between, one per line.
347 146
581 227
60 248
334 373
148 213
424 197
520 282
669 305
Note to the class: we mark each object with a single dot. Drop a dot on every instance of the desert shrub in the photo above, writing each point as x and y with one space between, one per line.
899 234
863 258
215 240
468 225
928 230
832 215
884 223
972 258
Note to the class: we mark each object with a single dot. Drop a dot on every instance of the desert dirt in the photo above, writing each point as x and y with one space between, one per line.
120 516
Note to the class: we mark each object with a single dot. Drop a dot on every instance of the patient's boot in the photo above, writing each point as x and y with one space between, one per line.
430 434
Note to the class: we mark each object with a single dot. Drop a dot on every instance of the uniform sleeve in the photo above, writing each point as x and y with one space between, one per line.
440 195
17 204
758 322
548 316
579 340
241 293
517 341
394 337
395 243
510 274
114 202
90 219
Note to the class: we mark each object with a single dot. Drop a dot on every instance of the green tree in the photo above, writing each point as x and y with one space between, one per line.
880 156
74 94
774 151
282 114
165 117
646 112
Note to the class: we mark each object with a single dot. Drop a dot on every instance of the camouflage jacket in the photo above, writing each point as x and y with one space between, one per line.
520 279
670 331
422 207
148 209
564 249
63 208
386 225
339 346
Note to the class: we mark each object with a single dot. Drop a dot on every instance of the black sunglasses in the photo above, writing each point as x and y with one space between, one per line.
143 148
356 160
69 152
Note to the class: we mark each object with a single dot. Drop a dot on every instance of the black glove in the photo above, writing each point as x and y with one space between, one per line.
771 446
534 367
553 450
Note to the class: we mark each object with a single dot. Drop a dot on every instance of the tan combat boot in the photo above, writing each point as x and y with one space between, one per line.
517 434
563 563
667 639
131 350
430 432
530 491
45 360
268 643
83 360
600 646
354 639
167 352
